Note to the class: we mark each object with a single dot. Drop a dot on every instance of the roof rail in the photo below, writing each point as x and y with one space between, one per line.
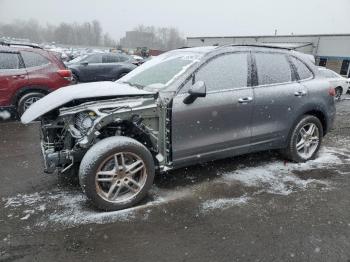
19 44
260 45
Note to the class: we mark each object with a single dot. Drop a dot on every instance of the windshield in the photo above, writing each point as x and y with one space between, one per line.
78 59
161 71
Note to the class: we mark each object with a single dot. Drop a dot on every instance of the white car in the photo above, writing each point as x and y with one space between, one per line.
340 83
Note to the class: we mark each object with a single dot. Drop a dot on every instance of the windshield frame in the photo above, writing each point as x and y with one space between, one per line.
178 78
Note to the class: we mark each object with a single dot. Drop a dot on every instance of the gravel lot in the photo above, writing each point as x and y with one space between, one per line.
250 208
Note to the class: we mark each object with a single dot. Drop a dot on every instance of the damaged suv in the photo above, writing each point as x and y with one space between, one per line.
181 108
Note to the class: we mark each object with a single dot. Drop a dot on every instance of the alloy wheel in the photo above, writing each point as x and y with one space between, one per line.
30 101
308 140
120 177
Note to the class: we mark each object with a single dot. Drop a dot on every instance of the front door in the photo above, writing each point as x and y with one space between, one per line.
218 124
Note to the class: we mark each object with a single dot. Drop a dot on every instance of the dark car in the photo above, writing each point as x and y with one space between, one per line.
181 108
101 67
27 73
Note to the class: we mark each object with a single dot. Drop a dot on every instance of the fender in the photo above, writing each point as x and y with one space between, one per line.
23 90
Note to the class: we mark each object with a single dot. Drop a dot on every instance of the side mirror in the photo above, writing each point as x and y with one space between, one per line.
197 90
84 63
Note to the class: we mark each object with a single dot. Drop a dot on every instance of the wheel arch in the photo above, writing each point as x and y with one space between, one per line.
29 89
133 131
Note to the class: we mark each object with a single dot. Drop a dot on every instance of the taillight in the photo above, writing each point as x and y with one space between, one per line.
66 74
331 91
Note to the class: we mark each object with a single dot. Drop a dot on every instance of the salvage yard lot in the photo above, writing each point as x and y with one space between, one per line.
249 208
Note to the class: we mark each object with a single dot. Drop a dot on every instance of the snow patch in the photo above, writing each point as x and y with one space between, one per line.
69 209
277 177
223 203
4 114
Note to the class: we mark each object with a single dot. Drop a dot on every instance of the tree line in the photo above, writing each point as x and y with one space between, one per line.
88 33
91 34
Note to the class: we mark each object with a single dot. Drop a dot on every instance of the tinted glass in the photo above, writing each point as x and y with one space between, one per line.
344 67
302 69
96 58
225 72
110 59
9 61
272 68
33 59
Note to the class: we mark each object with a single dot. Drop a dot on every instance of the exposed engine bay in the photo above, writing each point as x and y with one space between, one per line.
68 132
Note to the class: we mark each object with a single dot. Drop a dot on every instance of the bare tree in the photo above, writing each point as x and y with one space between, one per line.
88 33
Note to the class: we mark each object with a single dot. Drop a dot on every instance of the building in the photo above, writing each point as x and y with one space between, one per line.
330 50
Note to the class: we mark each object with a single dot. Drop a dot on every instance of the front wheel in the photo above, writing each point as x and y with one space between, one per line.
305 140
116 173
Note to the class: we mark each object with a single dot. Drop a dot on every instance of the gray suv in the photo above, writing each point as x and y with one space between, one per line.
181 108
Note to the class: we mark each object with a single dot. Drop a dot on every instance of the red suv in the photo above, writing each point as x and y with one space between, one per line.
27 73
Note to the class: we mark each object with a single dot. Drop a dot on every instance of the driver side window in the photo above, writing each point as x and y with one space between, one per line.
225 72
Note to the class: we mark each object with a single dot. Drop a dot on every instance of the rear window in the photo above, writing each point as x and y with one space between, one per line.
110 58
9 61
302 70
33 59
328 73
272 68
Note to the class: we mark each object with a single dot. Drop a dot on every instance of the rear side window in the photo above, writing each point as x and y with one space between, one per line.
110 59
328 73
302 70
272 68
9 61
33 59
225 72
96 58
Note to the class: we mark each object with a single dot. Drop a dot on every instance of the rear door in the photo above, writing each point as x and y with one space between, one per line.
278 99
111 64
219 124
93 70
13 76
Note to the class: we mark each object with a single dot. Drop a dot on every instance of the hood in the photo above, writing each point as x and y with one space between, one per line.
81 91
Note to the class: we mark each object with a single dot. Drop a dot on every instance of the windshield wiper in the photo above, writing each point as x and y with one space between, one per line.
133 84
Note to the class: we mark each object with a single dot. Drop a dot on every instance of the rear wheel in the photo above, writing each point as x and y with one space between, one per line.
116 173
305 140
27 100
338 92
75 79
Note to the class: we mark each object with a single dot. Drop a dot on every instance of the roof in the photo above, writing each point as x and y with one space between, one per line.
261 36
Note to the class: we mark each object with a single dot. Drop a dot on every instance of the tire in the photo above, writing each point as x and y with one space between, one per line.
26 100
338 92
111 190
298 155
75 79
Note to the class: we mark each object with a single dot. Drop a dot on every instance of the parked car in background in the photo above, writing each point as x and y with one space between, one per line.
341 84
27 73
181 108
101 67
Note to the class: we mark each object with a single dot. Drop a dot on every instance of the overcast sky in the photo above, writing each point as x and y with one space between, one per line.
191 17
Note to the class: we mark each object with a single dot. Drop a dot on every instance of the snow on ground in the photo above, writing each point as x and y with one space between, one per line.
70 208
223 203
4 115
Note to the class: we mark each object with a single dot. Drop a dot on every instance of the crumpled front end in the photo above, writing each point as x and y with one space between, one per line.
67 138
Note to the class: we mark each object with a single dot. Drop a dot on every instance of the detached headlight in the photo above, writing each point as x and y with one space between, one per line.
84 121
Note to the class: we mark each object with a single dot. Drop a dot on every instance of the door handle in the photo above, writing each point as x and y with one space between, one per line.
300 93
245 100
19 76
